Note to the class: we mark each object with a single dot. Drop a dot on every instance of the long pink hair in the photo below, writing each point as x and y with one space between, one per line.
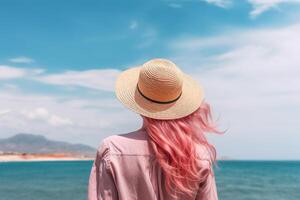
174 144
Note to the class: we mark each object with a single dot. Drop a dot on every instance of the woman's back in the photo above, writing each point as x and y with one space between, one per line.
125 168
169 157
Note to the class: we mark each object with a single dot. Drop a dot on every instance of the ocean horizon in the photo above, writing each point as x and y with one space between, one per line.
236 180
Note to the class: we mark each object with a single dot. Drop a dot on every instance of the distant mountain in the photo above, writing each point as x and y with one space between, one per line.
29 143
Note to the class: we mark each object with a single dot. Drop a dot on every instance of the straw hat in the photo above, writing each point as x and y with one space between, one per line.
158 89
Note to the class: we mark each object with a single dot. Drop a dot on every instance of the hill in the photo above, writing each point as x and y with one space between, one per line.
38 144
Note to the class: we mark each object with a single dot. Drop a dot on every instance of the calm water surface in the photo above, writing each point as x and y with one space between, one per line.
236 180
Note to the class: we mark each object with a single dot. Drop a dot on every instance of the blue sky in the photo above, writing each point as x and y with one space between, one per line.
59 61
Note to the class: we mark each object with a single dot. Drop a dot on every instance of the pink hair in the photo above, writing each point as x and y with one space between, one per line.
174 144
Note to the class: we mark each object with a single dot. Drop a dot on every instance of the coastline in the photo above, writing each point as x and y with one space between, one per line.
42 157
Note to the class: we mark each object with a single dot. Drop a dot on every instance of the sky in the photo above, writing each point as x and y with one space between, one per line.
59 61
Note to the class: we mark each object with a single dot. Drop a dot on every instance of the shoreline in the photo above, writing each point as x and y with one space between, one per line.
42 157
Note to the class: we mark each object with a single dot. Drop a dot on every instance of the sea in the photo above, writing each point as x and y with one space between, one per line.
67 180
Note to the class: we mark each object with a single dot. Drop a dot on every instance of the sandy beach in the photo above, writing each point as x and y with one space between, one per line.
15 157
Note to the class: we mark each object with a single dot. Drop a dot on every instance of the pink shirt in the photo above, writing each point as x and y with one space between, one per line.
122 170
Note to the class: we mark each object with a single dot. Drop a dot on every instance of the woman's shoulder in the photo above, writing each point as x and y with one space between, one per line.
103 149
205 159
204 153
133 143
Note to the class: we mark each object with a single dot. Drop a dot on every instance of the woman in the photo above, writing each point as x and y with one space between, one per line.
169 156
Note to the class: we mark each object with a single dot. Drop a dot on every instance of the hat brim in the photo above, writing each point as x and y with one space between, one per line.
127 93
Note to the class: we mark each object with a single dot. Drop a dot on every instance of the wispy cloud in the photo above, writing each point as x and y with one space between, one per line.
175 5
22 59
133 25
9 86
4 112
252 79
99 79
43 114
267 54
10 72
80 119
148 37
220 3
261 6
7 72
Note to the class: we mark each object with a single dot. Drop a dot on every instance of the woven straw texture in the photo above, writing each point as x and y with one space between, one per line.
159 80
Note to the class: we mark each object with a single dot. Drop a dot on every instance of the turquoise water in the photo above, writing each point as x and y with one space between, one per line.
236 180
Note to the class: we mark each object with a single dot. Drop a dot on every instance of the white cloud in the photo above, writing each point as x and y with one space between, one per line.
56 120
44 115
175 5
253 80
4 112
79 120
9 72
133 25
260 6
220 3
22 59
93 103
99 79
268 55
